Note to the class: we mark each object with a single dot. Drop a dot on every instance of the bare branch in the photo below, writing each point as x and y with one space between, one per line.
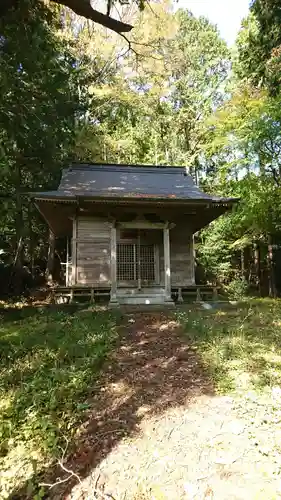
106 496
108 7
70 472
60 481
153 11
130 42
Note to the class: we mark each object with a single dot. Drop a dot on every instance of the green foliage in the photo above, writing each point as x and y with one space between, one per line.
237 288
259 44
176 86
200 68
213 250
240 346
49 366
39 105
243 154
39 98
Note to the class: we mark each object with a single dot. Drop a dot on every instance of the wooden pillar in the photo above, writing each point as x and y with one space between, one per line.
113 265
139 261
51 258
74 252
192 259
215 293
167 263
67 263
180 298
198 295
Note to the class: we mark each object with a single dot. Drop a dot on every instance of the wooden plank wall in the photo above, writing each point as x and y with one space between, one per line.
182 258
92 251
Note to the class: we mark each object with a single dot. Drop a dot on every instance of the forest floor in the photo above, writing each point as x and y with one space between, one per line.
187 405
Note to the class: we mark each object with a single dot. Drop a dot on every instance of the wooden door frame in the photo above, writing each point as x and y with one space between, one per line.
156 255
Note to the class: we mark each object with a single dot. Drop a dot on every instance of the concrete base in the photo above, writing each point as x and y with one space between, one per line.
113 303
148 297
153 300
131 309
169 303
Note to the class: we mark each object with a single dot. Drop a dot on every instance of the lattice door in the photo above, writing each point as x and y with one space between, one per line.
146 267
136 263
126 262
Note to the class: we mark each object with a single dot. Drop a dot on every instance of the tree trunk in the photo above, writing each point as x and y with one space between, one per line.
196 171
271 275
261 165
51 259
156 150
19 217
242 256
31 242
17 276
257 267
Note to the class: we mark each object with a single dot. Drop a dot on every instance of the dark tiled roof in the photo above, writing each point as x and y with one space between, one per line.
127 181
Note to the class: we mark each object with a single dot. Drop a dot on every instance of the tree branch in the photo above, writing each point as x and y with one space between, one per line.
108 9
132 42
82 8
274 174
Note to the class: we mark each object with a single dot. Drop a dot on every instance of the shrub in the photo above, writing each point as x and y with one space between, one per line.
237 289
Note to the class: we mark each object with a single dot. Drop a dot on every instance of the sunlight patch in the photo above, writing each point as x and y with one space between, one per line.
119 388
143 410
168 325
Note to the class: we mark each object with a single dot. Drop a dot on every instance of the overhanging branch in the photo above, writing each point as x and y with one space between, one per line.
84 8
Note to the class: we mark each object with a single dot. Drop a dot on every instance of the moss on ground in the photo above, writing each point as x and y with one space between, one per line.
50 360
240 345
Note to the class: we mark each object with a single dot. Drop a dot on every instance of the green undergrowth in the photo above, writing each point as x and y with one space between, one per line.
239 345
49 362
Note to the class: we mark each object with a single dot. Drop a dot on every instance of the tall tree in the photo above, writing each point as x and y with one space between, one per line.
259 45
39 104
170 83
201 66
244 150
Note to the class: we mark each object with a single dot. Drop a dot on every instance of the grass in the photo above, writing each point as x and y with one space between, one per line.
49 362
240 345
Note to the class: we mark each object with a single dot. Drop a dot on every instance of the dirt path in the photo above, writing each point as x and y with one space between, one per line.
156 430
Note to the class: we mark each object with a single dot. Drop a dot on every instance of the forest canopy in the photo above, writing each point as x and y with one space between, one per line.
169 92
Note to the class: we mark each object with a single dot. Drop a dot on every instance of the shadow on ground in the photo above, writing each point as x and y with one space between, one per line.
151 370
16 313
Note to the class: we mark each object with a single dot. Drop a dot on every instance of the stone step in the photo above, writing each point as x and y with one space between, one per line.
145 308
141 299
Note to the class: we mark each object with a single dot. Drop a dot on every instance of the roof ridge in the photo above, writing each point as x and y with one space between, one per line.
121 166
